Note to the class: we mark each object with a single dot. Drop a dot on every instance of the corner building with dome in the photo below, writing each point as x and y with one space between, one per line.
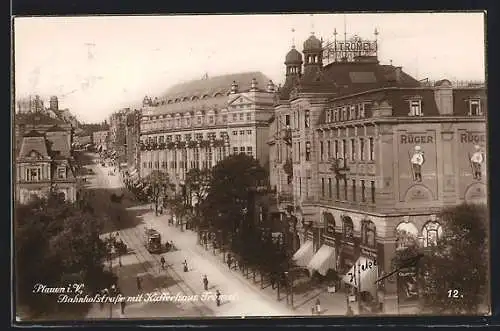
362 156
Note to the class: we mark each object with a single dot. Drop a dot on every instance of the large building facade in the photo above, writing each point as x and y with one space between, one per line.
363 155
44 163
197 124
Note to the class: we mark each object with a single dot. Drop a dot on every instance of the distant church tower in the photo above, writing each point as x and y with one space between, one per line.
54 103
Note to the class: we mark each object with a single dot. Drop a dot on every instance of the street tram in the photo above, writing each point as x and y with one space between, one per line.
153 241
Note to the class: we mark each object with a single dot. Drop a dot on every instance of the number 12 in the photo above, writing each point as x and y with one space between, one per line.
452 293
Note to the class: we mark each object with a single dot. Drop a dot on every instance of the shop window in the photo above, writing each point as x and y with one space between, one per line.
432 232
347 228
329 224
368 233
406 235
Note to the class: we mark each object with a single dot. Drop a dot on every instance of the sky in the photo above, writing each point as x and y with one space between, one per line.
97 65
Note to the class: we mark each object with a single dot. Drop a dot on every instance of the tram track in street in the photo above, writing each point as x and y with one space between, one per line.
150 262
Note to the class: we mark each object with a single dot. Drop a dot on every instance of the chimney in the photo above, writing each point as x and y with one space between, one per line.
270 87
234 87
398 73
254 85
443 95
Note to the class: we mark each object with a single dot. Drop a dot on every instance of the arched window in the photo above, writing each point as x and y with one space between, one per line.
329 224
347 228
432 232
368 233
406 235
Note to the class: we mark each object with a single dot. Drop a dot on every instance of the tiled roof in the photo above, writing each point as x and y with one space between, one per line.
38 118
59 143
37 144
34 133
56 128
347 78
212 85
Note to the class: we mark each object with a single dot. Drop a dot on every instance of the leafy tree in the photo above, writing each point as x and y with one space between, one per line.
231 189
54 239
197 183
158 182
459 262
177 206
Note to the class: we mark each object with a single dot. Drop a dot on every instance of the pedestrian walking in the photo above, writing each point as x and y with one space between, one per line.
185 266
217 297
349 312
205 282
318 306
122 306
162 261
229 260
313 310
139 284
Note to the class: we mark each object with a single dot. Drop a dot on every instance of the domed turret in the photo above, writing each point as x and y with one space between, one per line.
293 57
312 44
313 56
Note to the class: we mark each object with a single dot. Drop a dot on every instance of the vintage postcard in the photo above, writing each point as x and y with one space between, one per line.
217 166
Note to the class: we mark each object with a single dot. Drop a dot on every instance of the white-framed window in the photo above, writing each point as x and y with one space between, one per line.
242 150
416 108
249 116
371 148
249 151
352 112
475 107
353 149
241 116
242 133
328 116
432 232
61 172
235 117
235 133
33 174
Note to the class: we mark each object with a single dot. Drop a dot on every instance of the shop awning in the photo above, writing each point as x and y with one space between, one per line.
304 254
323 260
363 275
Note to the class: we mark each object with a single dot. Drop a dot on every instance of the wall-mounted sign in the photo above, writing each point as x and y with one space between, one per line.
469 137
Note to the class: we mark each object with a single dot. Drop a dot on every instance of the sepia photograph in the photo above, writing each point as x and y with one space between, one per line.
313 165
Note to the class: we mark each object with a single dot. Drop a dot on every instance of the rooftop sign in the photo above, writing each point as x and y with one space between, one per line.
348 50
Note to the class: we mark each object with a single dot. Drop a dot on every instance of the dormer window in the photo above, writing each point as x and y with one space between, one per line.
61 173
475 107
416 108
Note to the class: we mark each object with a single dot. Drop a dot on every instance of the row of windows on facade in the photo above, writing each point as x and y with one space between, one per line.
187 137
195 163
34 174
341 186
431 233
357 145
368 230
186 122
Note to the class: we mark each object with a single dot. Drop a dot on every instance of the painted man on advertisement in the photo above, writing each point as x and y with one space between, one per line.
417 160
477 160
